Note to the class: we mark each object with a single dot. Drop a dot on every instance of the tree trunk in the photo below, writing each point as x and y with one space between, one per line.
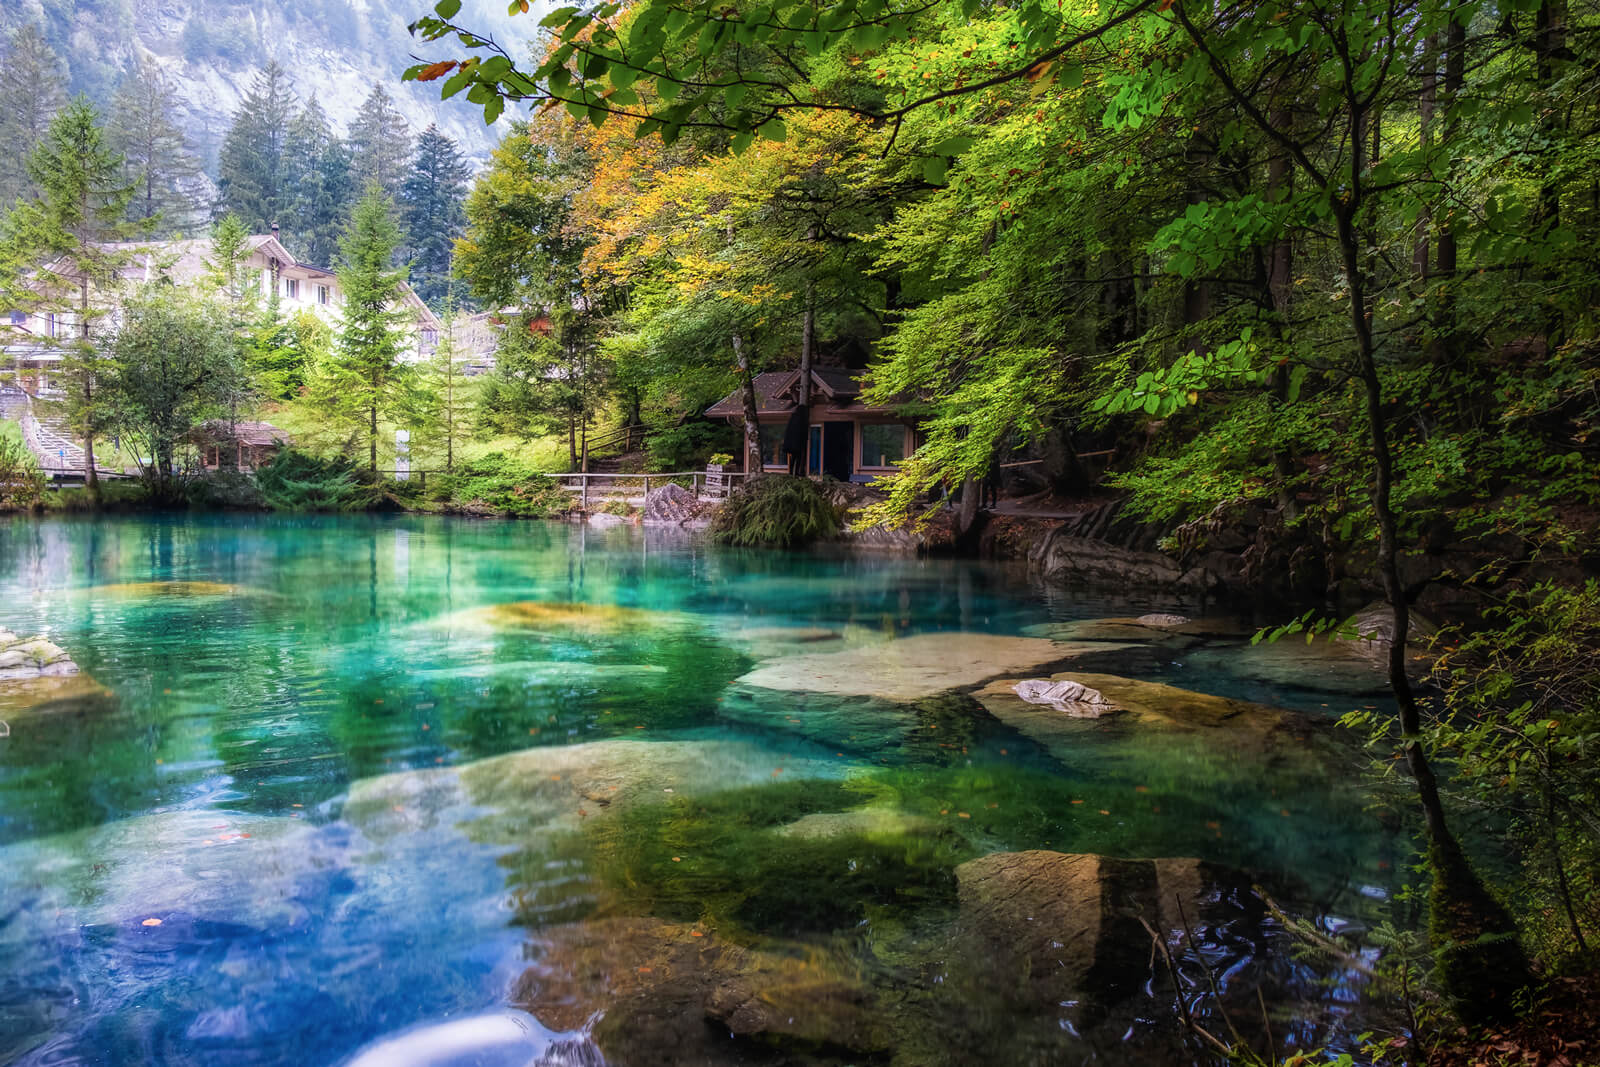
752 423
1481 963
572 442
91 477
1426 103
1455 76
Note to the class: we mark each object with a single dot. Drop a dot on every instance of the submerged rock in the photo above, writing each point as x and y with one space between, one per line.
37 675
559 615
559 787
497 1039
1235 728
1049 927
656 985
911 668
165 589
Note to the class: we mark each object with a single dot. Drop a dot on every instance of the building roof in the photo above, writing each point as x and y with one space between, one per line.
252 434
777 393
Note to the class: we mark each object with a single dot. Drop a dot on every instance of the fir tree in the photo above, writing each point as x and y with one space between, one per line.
431 199
31 78
321 192
62 238
250 168
380 144
444 397
366 378
154 150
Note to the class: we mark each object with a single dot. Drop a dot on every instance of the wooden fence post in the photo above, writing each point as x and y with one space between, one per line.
584 493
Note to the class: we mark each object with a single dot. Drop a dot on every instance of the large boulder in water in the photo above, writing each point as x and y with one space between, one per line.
1042 922
656 986
37 675
912 668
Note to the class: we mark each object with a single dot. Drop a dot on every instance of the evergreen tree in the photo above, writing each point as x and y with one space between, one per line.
443 399
251 165
30 95
365 377
61 239
321 191
431 199
154 150
380 144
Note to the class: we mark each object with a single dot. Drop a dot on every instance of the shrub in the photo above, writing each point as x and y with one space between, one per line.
298 481
21 481
504 484
777 511
680 448
224 489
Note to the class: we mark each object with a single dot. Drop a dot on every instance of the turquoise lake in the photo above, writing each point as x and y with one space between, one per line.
410 790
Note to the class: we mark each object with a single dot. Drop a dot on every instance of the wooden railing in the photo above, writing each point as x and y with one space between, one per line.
634 487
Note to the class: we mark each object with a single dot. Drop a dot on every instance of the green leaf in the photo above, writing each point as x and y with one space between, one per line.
953 146
773 130
734 94
555 18
447 9
667 89
492 109
741 141
493 68
456 82
934 168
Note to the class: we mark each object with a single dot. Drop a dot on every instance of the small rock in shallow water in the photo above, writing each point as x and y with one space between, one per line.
1074 698
1160 619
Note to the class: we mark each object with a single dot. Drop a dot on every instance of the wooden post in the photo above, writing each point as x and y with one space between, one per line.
584 493
647 486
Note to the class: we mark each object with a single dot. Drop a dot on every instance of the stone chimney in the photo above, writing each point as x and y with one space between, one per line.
274 231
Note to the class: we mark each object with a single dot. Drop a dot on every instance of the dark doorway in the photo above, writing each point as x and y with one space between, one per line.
839 449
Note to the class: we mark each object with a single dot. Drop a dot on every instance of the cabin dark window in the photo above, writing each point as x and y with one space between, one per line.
772 444
882 444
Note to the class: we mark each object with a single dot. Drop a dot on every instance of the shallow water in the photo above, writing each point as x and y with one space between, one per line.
259 849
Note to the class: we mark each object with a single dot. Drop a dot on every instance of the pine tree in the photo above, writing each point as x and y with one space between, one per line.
380 144
366 378
155 151
64 233
431 199
321 192
31 78
251 164
444 397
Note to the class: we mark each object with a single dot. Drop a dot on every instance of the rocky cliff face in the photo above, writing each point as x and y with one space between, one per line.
211 49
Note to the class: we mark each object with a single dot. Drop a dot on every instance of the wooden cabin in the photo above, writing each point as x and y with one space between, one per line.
851 440
240 445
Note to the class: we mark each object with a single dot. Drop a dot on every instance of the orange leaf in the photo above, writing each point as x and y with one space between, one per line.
151 922
436 70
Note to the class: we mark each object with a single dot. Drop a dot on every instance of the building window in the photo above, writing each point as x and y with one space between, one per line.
772 445
322 294
18 318
291 288
430 337
882 444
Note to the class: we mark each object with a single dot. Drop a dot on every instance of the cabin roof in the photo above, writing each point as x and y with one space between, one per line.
777 393
252 434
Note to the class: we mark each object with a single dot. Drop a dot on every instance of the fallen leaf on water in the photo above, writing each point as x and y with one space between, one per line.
962 815
677 859
425 726
151 922
1213 826
696 933
644 970
1077 802
1103 811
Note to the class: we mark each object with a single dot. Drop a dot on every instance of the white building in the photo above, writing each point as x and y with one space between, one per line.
299 287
